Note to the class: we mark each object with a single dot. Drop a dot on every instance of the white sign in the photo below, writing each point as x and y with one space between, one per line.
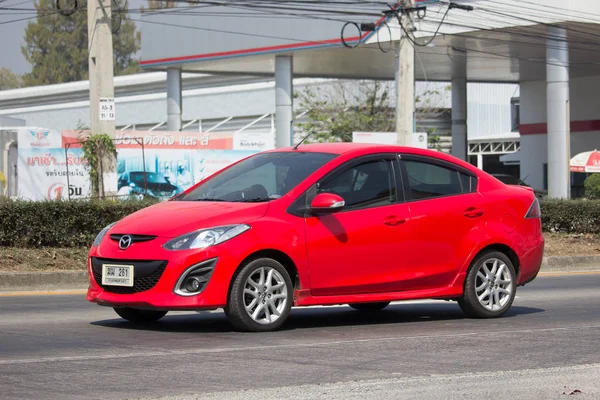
107 109
253 141
375 137
419 139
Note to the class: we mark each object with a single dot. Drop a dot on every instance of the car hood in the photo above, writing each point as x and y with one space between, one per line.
175 218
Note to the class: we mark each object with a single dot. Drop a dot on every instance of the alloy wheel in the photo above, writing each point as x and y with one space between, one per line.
493 284
265 295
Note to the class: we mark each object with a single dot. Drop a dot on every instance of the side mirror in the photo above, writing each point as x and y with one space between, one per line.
327 202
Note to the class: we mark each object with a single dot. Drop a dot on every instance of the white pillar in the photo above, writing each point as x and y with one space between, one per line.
459 117
557 105
405 92
283 101
173 99
480 161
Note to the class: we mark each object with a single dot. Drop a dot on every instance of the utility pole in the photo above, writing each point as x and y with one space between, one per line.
102 92
405 80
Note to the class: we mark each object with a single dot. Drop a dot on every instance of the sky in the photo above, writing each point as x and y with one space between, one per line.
10 50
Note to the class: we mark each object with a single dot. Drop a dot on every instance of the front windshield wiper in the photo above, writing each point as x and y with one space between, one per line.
208 199
254 200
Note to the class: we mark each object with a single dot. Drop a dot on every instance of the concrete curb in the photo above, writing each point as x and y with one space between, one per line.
16 281
570 263
62 280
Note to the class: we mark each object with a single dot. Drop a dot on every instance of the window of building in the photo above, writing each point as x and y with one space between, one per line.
515 113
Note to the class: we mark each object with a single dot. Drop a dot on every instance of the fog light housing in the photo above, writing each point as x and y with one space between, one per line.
194 279
193 284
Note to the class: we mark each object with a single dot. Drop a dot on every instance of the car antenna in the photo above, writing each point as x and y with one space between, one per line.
302 141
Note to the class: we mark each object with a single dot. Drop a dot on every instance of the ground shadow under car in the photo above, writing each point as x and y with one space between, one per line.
307 318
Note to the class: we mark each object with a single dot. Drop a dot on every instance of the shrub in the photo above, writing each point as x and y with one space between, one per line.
76 223
59 223
571 216
592 186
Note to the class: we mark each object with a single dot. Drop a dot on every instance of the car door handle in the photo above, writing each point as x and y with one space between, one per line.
393 220
473 212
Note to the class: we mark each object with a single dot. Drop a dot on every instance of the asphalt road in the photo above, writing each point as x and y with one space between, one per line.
548 346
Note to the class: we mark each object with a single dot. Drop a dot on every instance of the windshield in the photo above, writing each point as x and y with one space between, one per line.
151 177
262 177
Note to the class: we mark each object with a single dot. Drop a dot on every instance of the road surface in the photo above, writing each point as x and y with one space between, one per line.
548 346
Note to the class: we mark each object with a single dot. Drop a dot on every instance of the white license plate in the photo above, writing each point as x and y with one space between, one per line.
117 275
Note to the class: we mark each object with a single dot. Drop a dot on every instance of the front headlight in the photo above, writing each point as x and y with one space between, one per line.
206 237
101 235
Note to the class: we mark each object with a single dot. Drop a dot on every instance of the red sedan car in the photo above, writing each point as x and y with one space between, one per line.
323 224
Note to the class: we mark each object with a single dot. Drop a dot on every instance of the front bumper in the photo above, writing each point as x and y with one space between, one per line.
161 294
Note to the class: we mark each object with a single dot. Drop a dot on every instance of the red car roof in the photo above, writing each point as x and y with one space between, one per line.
368 148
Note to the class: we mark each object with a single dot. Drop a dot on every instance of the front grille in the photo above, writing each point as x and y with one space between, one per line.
134 238
145 276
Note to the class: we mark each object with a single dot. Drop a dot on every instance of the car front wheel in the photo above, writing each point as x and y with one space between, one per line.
490 286
261 296
139 316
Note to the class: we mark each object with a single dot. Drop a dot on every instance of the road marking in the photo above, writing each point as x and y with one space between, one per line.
43 293
262 348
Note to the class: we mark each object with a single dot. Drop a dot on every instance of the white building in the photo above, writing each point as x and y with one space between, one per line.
232 103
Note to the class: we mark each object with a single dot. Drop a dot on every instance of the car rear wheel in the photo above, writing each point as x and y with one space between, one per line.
370 307
490 286
139 316
261 296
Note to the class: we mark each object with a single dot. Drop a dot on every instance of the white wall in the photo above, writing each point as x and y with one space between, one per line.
488 109
585 106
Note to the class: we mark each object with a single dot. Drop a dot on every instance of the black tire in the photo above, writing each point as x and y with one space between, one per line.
469 301
370 307
236 309
139 316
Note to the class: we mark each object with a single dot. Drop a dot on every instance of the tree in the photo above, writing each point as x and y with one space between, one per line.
337 109
57 46
9 80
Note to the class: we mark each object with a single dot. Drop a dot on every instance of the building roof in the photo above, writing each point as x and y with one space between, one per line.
500 41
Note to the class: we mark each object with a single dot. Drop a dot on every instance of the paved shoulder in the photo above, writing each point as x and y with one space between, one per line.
543 384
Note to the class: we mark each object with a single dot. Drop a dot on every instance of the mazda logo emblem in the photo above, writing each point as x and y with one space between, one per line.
125 242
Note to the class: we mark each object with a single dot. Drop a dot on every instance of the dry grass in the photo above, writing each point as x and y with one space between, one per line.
73 259
18 259
561 244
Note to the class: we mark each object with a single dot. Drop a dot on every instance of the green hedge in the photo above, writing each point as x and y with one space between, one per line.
74 224
59 223
571 216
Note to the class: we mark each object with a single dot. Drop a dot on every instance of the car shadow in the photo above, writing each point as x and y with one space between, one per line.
318 317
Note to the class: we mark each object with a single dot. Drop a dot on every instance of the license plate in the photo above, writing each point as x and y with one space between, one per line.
117 275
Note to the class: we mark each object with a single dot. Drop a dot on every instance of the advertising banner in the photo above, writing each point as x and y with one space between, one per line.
157 164
42 167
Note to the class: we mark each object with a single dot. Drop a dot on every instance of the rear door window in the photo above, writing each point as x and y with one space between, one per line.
429 180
